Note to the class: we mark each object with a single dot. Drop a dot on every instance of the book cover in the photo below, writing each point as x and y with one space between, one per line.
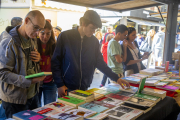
92 90
124 113
141 85
83 92
132 79
101 91
131 89
154 91
110 89
38 75
110 118
50 118
82 112
103 104
124 93
71 100
116 96
149 97
111 101
140 101
161 83
168 87
97 96
80 93
61 107
98 116
65 116
28 115
46 111
93 107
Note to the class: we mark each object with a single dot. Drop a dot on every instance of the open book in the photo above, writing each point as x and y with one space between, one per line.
38 75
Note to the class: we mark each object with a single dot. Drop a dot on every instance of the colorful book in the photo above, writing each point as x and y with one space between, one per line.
168 87
107 100
46 111
59 106
38 75
28 115
80 94
92 90
132 79
98 116
148 97
71 101
65 116
141 85
140 102
93 107
116 96
82 112
124 113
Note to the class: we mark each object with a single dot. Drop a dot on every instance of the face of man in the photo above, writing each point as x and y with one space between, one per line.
109 29
123 36
33 26
89 30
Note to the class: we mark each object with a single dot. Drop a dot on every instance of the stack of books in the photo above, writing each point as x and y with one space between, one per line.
83 95
75 102
154 92
151 71
132 79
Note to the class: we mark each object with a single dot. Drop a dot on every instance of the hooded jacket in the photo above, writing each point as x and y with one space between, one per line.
75 59
158 41
13 66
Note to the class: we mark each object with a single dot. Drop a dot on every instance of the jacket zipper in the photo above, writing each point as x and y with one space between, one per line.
80 63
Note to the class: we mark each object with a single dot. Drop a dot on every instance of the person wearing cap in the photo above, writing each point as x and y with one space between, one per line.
77 55
57 31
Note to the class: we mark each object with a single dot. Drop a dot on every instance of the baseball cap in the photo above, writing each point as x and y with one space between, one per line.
58 28
92 16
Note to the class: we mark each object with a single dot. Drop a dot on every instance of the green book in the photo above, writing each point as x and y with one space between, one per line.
38 75
149 97
71 100
141 85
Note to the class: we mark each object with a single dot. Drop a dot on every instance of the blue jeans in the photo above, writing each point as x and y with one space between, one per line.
2 113
103 82
49 91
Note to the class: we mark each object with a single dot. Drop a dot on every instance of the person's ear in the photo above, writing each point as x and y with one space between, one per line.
26 20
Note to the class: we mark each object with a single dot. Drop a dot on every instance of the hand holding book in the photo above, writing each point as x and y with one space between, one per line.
37 79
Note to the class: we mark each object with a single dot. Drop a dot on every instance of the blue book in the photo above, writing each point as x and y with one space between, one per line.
94 107
28 115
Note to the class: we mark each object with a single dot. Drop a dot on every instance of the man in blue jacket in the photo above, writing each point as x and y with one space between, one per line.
77 55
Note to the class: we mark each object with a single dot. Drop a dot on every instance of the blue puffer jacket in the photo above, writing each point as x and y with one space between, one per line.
75 59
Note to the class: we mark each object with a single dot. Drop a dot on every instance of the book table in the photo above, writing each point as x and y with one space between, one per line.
166 109
168 93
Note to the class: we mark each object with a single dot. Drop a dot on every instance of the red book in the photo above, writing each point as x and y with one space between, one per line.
166 66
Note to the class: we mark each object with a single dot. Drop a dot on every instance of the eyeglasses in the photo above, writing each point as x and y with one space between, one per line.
35 27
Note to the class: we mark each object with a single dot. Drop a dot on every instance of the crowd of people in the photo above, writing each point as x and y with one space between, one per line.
33 45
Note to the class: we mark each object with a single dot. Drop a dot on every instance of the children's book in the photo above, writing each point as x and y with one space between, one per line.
38 75
59 106
93 107
28 115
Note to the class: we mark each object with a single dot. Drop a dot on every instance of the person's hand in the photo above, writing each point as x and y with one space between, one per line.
145 57
125 43
35 55
62 91
123 83
145 53
37 79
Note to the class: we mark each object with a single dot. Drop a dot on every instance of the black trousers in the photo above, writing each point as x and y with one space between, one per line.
11 108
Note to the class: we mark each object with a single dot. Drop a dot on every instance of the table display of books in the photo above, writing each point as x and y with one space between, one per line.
155 77
114 103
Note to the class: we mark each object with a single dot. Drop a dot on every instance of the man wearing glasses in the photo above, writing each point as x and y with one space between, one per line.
77 55
18 58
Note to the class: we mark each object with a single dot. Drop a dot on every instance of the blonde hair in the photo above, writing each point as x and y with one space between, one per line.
98 32
109 37
151 33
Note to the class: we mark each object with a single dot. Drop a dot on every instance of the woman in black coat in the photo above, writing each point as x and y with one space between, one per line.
133 63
